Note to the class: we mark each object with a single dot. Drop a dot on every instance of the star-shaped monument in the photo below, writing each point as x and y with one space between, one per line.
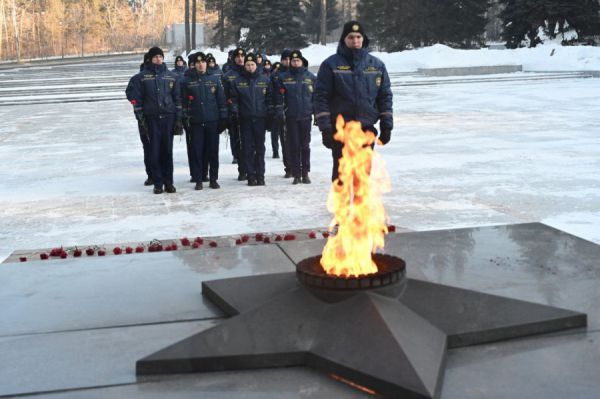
393 345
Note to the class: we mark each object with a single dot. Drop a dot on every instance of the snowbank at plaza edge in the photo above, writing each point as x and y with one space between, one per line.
548 57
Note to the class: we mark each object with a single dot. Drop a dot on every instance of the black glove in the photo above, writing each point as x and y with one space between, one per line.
327 136
268 122
222 125
385 136
187 122
143 125
234 117
178 128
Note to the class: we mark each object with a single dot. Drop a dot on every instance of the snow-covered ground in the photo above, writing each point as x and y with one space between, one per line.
462 154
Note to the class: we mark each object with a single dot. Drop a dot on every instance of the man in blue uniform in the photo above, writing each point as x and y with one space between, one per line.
141 129
205 114
252 104
237 142
294 90
356 85
156 101
278 132
180 66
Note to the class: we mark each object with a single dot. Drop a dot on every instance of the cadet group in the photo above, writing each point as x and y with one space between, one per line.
249 96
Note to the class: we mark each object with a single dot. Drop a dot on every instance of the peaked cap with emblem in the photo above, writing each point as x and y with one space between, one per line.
354 27
239 51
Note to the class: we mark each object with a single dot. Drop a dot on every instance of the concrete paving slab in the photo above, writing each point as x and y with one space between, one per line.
123 290
81 359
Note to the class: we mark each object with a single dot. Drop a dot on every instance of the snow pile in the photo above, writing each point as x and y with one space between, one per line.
548 57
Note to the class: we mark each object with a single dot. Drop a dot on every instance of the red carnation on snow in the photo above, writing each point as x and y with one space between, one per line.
238 241
213 244
101 252
289 237
89 251
196 245
117 250
267 240
185 242
128 250
23 259
245 238
77 252
312 234
259 236
139 249
63 255
278 237
391 228
199 240
325 234
44 256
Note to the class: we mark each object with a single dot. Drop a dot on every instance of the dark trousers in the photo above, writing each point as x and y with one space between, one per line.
205 147
298 141
146 146
253 137
190 153
278 131
336 153
161 148
237 147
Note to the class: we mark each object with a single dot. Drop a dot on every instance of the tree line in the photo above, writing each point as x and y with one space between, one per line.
44 28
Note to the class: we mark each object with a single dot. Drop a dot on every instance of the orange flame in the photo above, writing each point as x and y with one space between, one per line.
355 200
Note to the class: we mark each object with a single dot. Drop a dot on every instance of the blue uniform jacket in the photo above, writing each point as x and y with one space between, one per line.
251 96
179 71
203 98
294 89
215 71
356 85
156 92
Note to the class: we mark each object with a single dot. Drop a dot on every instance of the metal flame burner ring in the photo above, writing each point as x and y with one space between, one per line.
391 270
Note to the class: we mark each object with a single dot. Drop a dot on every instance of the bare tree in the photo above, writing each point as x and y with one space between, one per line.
193 23
187 25
323 22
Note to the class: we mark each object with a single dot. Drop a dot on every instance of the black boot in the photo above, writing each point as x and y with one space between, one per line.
242 176
305 178
170 188
260 181
192 180
251 181
296 180
205 179
214 184
275 154
148 181
234 161
158 190
198 186
287 175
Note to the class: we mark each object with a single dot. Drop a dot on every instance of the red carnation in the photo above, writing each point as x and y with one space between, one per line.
238 241
139 249
259 236
278 238
229 101
23 259
289 237
191 98
133 102
174 247
56 251
325 234
185 242
117 250
245 238
89 251
128 250
63 255
282 90
101 252
44 256
267 240
168 248
312 234
213 244
199 240
77 252
196 245
391 228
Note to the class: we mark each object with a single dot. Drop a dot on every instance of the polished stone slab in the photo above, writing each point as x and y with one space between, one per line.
82 359
122 290
529 261
283 383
